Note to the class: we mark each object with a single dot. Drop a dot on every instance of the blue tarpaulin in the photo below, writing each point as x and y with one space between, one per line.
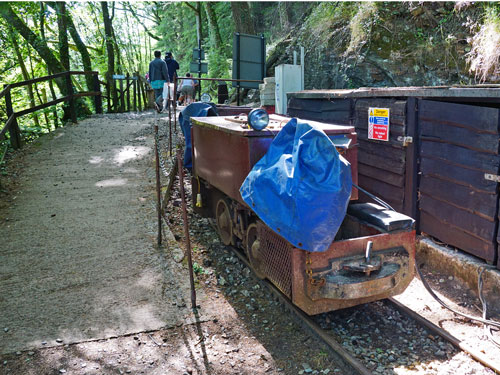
192 110
301 187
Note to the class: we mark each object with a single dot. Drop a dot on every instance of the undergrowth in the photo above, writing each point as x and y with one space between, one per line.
484 57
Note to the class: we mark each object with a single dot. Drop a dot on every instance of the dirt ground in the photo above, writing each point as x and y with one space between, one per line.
85 289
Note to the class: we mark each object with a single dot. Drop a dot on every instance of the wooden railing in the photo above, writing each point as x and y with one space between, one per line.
12 126
131 93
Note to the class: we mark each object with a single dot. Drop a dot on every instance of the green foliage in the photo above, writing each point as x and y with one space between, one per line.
198 270
484 57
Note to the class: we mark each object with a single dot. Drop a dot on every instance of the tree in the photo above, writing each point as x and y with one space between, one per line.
213 26
62 26
81 47
108 32
198 12
242 16
36 42
26 76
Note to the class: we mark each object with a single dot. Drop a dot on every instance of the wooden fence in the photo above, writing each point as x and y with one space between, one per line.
131 93
131 96
12 126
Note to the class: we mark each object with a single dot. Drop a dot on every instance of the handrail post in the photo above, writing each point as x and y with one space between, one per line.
97 98
127 89
134 86
15 137
69 89
139 94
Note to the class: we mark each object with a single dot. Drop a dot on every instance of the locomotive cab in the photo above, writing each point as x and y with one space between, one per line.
373 253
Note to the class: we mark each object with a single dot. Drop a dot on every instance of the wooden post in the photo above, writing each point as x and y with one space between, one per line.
139 95
15 136
69 89
134 86
122 97
116 105
97 98
410 203
128 92
144 95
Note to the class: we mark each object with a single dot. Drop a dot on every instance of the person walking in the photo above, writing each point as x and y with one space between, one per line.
187 89
158 75
172 66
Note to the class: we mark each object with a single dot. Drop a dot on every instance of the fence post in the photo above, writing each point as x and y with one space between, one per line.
97 98
144 95
69 89
15 137
127 89
122 97
134 86
139 94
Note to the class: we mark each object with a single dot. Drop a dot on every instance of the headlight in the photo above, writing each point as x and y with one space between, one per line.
206 98
258 118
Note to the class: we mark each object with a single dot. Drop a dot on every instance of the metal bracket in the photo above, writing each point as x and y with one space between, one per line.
406 140
491 177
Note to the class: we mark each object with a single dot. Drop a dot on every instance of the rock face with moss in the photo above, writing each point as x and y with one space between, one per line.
395 44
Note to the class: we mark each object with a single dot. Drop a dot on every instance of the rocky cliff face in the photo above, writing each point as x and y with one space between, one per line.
378 44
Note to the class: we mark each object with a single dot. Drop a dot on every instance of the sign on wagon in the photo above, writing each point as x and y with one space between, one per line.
378 124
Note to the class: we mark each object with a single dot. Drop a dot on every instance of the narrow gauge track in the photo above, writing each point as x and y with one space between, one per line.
344 360
347 362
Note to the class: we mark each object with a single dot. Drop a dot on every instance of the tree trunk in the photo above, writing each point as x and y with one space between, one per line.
199 25
284 15
51 86
242 17
24 71
111 54
213 26
82 49
62 26
38 44
130 8
119 66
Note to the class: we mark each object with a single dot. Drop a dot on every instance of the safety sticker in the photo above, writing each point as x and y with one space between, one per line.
378 124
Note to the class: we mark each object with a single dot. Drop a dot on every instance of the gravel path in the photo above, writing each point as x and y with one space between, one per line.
77 255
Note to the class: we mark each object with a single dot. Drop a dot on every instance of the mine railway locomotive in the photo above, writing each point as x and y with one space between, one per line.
287 196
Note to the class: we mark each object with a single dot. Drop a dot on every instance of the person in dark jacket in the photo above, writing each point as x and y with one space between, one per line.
172 66
158 75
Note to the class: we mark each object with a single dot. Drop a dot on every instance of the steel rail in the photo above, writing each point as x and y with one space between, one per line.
476 354
347 363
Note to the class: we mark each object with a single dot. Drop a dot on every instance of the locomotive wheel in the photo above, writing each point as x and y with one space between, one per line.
253 251
224 225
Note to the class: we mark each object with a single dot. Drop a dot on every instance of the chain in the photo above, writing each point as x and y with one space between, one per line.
309 272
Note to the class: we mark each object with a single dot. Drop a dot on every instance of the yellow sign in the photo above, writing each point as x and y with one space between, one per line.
380 112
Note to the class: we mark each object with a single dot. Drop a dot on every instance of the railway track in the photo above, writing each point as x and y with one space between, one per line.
345 360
